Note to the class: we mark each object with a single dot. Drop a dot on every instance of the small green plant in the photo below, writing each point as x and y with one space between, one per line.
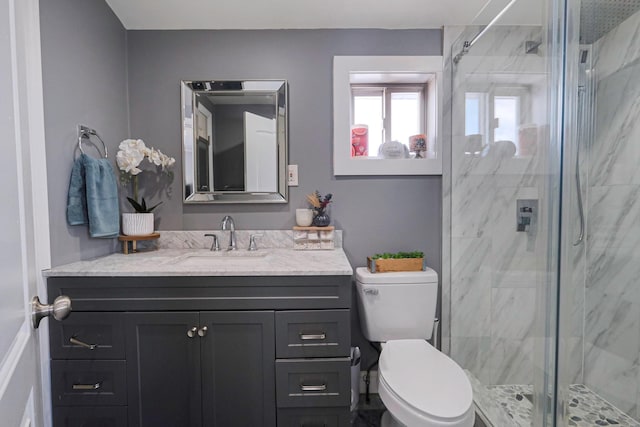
142 207
397 255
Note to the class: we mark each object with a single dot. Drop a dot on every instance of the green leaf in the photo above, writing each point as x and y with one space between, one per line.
142 206
138 208
153 207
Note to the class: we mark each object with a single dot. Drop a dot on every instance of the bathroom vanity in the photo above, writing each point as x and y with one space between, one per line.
169 338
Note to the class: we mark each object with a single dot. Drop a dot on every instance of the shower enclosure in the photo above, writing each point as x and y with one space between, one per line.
541 304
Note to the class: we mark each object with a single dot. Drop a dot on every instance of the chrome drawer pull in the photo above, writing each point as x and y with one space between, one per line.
307 337
321 387
86 386
75 341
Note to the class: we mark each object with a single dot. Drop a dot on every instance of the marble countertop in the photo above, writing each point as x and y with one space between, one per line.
202 262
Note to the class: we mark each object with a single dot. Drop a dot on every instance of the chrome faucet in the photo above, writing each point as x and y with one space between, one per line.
227 223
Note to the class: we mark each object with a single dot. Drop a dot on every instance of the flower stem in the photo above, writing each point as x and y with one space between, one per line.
135 187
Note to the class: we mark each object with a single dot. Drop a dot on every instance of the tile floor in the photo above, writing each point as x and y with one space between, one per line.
586 408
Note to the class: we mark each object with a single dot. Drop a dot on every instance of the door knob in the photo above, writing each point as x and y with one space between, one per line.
59 310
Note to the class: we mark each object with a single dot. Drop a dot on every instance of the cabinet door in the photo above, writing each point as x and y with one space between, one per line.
238 369
163 369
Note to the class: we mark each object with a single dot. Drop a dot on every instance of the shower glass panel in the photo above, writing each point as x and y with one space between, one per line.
502 200
599 349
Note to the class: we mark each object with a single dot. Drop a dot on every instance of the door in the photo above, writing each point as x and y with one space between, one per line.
238 368
261 153
23 211
163 369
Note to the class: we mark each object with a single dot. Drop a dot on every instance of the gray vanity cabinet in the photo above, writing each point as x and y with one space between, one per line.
210 369
163 369
201 351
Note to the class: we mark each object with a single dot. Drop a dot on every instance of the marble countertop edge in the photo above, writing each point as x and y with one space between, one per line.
202 263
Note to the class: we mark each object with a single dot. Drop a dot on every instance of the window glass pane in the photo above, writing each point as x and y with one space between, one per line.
472 114
506 110
405 116
368 110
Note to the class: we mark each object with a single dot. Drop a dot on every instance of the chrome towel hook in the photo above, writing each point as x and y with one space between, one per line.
86 132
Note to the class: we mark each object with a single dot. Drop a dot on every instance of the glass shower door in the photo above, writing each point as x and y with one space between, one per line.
502 201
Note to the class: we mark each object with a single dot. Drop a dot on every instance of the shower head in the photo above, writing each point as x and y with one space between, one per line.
598 17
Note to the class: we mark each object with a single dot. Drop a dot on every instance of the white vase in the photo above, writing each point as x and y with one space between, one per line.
137 224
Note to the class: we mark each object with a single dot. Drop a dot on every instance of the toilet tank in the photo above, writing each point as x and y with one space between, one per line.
399 305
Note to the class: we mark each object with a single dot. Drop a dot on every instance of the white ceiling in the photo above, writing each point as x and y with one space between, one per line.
291 14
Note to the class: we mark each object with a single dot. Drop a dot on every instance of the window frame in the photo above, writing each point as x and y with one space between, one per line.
346 66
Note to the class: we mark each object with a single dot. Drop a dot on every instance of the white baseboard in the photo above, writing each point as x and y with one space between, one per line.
373 382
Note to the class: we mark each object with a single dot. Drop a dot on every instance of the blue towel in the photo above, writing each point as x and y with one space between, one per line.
93 197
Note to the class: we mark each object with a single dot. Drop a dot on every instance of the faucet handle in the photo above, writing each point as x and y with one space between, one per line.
252 242
215 246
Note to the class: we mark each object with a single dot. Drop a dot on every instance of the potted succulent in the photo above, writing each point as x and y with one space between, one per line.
130 156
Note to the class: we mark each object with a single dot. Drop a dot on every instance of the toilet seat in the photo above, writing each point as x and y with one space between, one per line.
421 386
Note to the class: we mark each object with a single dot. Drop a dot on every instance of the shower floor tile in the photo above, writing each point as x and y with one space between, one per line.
586 408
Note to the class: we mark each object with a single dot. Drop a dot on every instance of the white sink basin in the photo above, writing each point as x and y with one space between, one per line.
206 258
240 253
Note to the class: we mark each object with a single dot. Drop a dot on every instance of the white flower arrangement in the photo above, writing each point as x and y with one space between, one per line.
130 155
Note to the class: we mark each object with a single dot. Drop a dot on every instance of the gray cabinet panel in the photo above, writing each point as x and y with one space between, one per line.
314 417
87 416
238 369
88 382
313 382
203 293
103 334
163 368
313 333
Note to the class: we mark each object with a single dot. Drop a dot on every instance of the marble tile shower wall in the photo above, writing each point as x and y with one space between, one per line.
494 268
612 296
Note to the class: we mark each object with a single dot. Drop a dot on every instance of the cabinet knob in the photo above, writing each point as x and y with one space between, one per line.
202 331
192 332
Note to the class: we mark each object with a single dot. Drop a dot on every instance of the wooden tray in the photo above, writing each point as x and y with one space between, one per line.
381 265
134 241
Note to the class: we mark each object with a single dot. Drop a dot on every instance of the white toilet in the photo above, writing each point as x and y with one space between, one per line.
419 385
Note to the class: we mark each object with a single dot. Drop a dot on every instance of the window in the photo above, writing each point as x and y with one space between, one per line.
397 98
390 112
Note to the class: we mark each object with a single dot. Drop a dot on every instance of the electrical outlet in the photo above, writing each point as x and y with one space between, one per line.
292 176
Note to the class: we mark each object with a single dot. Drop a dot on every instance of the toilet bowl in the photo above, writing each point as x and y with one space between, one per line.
422 387
419 385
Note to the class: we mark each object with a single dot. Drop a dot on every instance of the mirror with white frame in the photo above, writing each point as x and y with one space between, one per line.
234 139
386 115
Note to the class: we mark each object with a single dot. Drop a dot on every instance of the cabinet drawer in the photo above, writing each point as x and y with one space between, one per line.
314 417
88 336
313 333
312 383
87 416
88 382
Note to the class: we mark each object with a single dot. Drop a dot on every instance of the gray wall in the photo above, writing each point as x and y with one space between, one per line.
100 75
376 213
84 77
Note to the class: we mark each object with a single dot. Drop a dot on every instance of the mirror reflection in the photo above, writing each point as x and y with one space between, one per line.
234 141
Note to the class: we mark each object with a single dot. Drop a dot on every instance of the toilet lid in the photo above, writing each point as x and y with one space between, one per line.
425 378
